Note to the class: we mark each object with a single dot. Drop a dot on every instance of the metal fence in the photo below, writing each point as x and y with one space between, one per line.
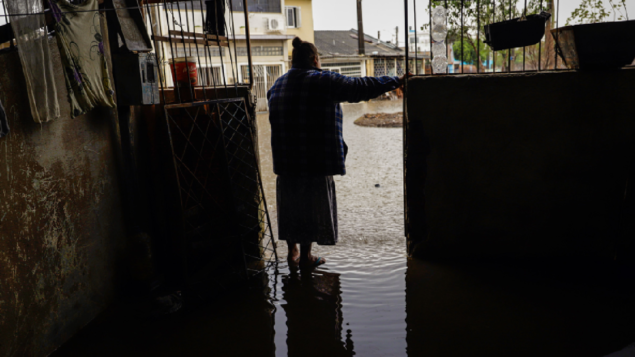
467 52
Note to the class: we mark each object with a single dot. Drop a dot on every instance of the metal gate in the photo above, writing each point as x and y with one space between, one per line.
264 78
224 232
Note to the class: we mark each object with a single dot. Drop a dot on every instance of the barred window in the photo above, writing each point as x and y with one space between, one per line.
210 76
188 51
351 69
261 51
258 5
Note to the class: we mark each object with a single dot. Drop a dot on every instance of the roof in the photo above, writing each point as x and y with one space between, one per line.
344 43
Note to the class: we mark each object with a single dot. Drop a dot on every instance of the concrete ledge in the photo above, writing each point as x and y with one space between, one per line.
521 165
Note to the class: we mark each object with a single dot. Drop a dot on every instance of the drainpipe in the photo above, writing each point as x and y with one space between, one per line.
360 29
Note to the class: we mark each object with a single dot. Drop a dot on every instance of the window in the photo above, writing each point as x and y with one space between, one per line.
210 76
203 52
294 17
261 51
351 69
258 5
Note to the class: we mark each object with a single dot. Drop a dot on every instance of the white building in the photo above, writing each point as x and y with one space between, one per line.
419 41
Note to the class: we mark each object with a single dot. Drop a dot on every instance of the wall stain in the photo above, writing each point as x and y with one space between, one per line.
58 185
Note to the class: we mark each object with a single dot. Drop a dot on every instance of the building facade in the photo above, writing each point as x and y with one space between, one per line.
272 26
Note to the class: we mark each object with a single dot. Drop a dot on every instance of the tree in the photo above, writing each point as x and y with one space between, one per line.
593 11
469 52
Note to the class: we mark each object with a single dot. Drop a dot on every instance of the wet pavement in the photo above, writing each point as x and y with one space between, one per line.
371 300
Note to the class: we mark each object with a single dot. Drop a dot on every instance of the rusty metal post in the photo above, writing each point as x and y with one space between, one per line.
360 30
405 118
248 38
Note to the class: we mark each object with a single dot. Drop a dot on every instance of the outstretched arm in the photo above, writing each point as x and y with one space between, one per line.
350 89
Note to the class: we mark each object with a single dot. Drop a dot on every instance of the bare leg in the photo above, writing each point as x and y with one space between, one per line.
308 260
294 253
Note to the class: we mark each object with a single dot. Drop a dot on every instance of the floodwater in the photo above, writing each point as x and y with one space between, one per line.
367 268
371 300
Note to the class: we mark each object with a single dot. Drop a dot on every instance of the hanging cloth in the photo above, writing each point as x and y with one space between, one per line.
78 31
29 27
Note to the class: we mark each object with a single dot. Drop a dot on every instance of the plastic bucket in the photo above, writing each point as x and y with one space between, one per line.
184 71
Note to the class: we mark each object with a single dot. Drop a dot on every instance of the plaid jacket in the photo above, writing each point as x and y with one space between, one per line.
306 119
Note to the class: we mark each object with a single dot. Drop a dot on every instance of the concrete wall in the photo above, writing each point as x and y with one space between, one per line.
61 226
521 165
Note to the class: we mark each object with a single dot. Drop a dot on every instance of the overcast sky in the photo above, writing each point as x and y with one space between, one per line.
385 15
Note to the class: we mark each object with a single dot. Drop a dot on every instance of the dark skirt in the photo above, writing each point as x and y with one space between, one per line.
307 209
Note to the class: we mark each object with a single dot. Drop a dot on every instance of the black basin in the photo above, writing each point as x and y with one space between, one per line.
608 45
516 32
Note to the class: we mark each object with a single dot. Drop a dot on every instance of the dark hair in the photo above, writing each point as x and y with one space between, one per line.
304 53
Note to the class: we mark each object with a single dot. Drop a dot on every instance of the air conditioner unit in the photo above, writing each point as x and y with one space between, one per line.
273 24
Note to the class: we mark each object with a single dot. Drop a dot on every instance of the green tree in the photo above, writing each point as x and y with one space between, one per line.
593 11
469 52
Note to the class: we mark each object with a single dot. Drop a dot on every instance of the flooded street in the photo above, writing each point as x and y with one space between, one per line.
370 300
368 265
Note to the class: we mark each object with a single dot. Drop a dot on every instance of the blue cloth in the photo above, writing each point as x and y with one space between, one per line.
306 118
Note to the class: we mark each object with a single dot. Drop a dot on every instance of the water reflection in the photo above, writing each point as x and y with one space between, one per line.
313 309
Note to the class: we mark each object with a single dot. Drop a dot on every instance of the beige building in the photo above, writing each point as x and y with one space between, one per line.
300 20
272 23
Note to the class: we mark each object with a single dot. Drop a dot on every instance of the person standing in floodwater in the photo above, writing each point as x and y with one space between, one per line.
309 149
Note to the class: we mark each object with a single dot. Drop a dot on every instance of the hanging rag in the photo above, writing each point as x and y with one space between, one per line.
78 31
29 27
4 123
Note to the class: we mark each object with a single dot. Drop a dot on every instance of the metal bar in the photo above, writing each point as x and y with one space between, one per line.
222 60
540 46
208 54
264 200
416 39
198 55
199 104
248 38
555 43
404 130
509 51
524 48
156 55
199 41
189 75
494 52
231 59
430 54
478 36
199 35
176 87
447 48
462 29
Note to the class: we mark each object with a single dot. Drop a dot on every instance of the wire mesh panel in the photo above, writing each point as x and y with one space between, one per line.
225 233
250 205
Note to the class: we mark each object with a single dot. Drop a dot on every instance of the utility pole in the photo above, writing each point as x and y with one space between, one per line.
379 35
397 36
360 29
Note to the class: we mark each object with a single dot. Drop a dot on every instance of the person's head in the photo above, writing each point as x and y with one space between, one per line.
305 54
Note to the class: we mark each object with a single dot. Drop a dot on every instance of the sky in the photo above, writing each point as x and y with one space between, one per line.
386 15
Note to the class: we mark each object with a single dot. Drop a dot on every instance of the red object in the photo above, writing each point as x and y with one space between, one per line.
184 71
